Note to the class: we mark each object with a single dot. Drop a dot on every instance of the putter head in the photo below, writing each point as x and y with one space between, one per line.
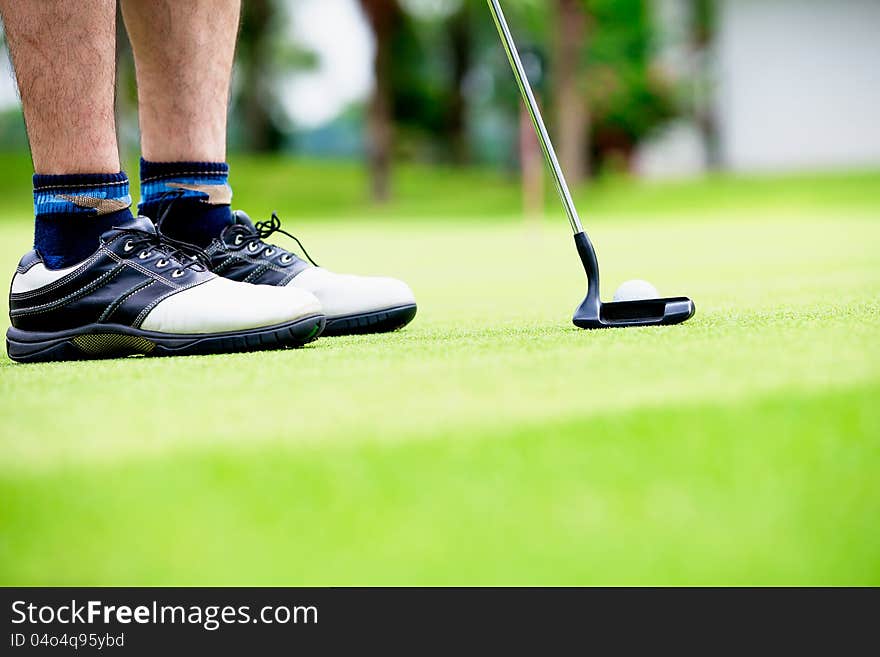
593 314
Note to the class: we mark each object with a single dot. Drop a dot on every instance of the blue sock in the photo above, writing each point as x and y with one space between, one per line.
73 210
194 198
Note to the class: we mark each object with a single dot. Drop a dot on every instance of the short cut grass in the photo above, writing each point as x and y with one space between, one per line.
491 442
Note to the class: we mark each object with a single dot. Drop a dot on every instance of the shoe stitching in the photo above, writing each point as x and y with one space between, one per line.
73 296
223 265
146 311
289 278
213 248
35 260
239 260
117 304
259 260
256 273
64 280
143 270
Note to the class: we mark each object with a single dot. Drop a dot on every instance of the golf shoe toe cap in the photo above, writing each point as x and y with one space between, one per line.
345 294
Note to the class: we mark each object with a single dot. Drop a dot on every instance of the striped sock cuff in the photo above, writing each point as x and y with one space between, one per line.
203 181
92 194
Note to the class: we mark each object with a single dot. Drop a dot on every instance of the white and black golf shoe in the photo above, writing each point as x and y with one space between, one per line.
352 304
138 294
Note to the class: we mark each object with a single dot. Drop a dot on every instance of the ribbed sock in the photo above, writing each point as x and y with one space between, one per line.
193 197
73 210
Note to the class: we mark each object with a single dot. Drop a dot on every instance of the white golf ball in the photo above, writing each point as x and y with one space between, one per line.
636 291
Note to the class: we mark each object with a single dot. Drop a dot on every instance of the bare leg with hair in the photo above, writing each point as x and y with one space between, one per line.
183 57
64 54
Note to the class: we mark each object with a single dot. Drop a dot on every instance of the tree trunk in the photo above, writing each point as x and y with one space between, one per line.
572 119
462 54
702 36
381 15
257 125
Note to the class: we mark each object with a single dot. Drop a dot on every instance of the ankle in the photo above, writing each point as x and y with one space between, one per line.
72 211
190 199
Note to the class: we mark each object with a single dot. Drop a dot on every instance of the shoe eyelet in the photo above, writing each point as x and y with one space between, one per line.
162 263
238 240
129 246
286 259
269 253
253 247
178 273
145 255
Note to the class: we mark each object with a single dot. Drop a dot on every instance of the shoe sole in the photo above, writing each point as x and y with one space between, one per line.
380 321
101 341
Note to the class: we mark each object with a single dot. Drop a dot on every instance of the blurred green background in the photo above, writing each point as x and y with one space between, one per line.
491 442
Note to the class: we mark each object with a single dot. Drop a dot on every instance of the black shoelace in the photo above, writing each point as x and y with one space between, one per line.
264 230
190 255
185 255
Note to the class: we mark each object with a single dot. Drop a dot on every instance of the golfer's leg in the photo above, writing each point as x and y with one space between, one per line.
64 59
183 57
65 62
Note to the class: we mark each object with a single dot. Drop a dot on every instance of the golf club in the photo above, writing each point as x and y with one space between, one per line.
592 313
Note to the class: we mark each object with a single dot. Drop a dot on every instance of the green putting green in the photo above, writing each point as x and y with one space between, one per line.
491 442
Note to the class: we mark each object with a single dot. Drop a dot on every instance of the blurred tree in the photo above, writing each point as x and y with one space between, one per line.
264 56
419 85
569 87
384 17
703 35
626 97
255 43
461 51
433 54
603 92
418 105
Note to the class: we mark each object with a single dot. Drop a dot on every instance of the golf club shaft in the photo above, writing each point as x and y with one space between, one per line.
535 112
